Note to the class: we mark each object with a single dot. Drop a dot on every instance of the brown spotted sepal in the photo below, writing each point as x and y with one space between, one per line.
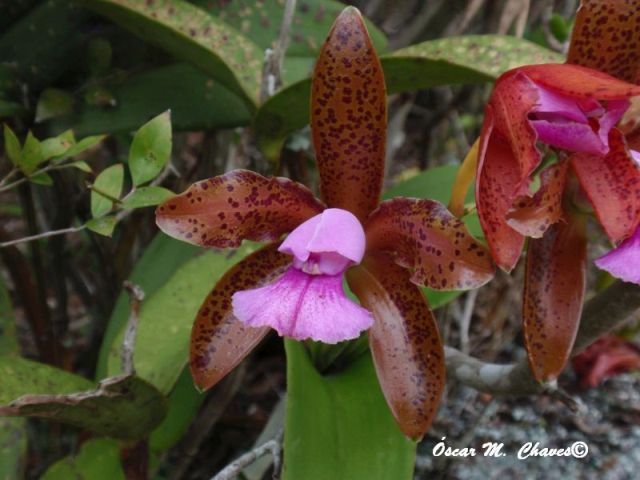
555 282
240 205
606 37
425 237
349 117
219 341
404 341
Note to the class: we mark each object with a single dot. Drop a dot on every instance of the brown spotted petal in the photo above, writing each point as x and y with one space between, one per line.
606 37
218 340
222 211
612 184
428 239
404 340
349 117
555 283
531 216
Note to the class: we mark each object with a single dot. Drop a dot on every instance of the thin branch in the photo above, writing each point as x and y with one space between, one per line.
273 446
603 313
49 168
136 296
39 236
8 176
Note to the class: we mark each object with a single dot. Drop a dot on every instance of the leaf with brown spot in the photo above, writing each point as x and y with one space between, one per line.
426 237
239 205
531 216
495 180
605 37
555 282
349 117
404 340
219 341
612 184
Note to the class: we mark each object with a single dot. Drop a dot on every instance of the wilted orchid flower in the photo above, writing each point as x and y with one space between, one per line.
576 112
385 250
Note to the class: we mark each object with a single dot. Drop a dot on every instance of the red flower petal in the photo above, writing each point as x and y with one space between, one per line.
427 238
349 117
497 175
606 357
612 184
531 216
222 211
555 282
404 340
219 341
605 37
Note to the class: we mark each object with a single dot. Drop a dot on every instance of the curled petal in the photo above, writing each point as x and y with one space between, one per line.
335 237
302 306
495 180
605 37
427 238
349 117
623 262
404 340
612 184
531 216
222 211
218 340
555 282
574 137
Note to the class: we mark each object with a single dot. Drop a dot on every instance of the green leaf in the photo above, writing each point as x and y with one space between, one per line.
339 426
98 459
121 407
12 145
19 376
191 34
108 182
103 225
82 166
31 155
196 101
151 149
166 318
460 60
147 197
456 60
184 403
99 56
162 257
56 146
53 102
41 179
82 146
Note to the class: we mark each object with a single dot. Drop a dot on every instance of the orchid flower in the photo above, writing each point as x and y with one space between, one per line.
575 111
385 250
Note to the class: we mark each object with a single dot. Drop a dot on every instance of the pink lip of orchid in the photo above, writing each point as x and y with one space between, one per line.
308 301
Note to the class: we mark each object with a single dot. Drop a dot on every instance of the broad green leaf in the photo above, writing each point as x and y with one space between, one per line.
98 459
103 225
184 403
339 426
12 145
191 34
150 149
108 182
162 257
31 155
56 146
147 197
124 407
166 318
53 102
82 146
196 101
447 61
99 55
19 376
